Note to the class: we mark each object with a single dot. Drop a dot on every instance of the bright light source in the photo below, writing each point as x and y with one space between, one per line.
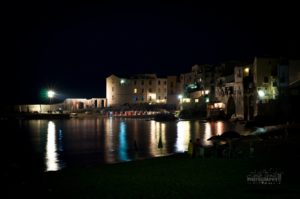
122 81
246 71
206 92
207 100
186 100
261 93
51 93
179 96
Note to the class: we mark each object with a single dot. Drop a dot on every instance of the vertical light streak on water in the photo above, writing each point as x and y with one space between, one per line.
163 150
123 153
183 136
109 148
153 137
207 134
220 128
51 149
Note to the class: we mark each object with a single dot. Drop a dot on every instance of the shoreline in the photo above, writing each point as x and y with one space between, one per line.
176 176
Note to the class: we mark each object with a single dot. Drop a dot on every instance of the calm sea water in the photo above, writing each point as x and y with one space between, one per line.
90 141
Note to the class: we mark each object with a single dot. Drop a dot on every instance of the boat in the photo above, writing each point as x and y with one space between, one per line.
165 117
73 115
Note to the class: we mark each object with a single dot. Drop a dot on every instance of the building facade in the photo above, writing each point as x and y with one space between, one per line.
68 105
138 89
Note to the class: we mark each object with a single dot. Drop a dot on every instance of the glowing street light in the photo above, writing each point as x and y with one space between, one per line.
50 94
261 93
207 99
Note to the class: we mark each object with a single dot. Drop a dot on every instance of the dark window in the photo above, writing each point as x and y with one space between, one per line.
230 90
142 90
172 85
165 82
266 79
150 90
134 82
150 82
142 98
239 73
158 82
142 82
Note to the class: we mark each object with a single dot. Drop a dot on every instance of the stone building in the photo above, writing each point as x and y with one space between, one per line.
138 89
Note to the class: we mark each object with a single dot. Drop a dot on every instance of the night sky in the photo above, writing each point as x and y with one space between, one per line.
73 47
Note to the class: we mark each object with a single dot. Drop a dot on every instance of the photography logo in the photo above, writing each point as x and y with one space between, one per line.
265 177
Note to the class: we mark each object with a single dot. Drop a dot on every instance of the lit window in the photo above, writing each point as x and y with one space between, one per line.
135 90
196 100
186 100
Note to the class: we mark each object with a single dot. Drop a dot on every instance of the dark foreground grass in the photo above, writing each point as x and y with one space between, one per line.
177 176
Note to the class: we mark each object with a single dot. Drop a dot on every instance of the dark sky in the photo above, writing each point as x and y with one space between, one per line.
73 47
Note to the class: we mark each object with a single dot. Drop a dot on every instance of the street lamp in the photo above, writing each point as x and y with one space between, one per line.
50 94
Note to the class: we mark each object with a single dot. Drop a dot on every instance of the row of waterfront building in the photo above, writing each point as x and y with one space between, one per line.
236 88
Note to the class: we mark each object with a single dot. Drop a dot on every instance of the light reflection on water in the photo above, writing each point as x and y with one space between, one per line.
123 156
51 149
207 134
183 136
92 141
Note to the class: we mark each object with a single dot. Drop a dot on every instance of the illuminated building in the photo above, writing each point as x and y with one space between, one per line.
137 89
